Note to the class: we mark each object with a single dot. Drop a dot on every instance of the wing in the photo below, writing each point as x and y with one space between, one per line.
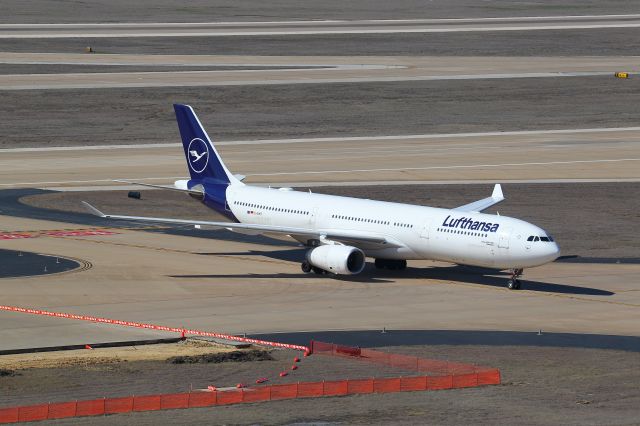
485 203
369 241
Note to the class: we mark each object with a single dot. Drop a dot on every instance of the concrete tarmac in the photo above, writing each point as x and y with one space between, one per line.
384 26
552 155
241 286
237 287
299 70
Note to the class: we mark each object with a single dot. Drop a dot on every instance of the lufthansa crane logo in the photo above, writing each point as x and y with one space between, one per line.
198 155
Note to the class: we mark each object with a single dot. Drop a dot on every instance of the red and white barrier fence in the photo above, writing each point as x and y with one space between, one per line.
182 331
455 378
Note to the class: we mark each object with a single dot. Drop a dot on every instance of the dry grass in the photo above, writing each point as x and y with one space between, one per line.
100 356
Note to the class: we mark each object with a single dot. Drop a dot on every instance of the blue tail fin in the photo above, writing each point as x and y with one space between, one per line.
202 157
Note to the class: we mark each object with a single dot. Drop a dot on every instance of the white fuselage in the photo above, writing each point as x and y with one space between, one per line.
467 238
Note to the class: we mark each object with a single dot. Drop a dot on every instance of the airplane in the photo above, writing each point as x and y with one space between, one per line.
341 232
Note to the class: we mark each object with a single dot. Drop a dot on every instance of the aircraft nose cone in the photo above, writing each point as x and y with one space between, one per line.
554 251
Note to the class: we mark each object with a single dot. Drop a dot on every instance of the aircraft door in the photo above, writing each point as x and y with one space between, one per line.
313 220
503 238
424 230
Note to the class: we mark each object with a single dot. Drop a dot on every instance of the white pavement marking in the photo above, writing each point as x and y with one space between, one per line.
460 166
333 139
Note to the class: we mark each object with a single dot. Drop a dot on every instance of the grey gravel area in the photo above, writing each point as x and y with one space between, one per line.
83 11
579 42
541 386
76 68
18 264
574 213
125 116
114 379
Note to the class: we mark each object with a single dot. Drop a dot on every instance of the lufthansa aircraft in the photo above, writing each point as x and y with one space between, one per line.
341 231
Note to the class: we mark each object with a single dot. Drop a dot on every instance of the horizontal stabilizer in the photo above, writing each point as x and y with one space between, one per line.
93 210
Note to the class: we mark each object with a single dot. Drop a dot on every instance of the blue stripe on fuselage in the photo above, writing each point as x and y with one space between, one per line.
215 196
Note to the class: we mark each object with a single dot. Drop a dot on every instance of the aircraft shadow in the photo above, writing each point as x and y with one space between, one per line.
288 255
458 273
493 278
361 278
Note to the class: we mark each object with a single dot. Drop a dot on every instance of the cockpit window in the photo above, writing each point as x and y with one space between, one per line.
545 238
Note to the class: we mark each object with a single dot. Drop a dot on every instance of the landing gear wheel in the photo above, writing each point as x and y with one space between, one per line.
318 271
306 267
514 282
380 264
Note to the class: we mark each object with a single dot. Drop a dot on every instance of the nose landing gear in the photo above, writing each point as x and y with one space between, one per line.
514 282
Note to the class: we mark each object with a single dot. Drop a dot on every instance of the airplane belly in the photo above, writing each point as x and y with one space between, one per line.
466 250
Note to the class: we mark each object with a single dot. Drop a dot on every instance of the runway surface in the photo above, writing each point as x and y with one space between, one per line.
298 70
387 26
522 156
239 287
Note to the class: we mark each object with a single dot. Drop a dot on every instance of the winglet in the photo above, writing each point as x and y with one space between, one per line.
477 206
93 210
497 192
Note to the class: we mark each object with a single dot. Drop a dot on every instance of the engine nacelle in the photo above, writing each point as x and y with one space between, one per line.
345 260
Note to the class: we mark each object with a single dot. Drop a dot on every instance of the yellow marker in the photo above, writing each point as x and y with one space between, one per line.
622 74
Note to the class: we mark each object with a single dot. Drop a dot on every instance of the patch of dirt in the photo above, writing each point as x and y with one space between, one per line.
235 356
7 373
101 357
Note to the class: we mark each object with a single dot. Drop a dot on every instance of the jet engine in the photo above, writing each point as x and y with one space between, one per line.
338 259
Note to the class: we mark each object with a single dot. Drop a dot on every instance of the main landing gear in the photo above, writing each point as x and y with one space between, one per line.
393 264
307 267
514 282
